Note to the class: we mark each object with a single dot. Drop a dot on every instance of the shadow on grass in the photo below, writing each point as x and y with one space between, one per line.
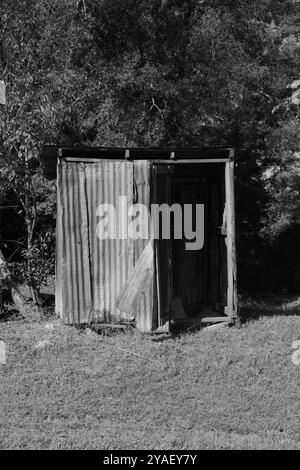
9 314
48 300
268 307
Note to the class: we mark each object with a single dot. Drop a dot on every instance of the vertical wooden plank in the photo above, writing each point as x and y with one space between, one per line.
223 249
161 194
156 254
205 249
231 248
214 243
167 249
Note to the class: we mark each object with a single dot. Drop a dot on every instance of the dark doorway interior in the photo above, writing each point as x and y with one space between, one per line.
192 281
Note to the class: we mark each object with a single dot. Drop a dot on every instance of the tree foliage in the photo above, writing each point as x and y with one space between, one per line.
158 73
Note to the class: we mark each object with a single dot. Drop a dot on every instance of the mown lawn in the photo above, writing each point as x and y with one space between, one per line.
235 388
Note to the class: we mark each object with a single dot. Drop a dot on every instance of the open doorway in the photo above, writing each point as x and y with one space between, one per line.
192 283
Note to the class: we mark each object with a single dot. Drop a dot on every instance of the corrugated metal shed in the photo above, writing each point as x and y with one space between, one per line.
125 280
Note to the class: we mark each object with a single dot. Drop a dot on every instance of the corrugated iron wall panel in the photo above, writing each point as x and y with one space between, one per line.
59 250
73 279
147 315
90 271
111 259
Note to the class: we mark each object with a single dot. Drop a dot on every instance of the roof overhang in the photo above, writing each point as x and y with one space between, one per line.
51 154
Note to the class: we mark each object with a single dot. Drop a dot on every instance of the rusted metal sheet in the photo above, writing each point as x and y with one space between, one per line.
59 250
73 280
90 272
111 259
146 318
136 287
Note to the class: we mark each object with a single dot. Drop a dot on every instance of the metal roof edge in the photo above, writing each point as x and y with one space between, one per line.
51 153
136 152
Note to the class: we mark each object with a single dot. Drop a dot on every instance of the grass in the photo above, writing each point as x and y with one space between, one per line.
235 388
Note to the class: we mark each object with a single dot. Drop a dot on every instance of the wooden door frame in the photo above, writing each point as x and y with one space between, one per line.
232 306
163 319
231 309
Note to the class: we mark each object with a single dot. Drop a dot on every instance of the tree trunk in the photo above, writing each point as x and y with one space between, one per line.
30 223
35 296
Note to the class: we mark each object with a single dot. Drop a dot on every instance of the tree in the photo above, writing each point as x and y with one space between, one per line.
152 73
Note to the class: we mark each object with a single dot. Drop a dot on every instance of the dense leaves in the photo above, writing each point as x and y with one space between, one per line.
158 72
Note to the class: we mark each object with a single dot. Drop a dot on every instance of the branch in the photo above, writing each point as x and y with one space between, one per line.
154 105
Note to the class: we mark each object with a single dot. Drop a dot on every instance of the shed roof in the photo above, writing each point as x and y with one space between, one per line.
51 153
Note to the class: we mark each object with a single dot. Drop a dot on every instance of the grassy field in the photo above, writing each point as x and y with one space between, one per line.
235 388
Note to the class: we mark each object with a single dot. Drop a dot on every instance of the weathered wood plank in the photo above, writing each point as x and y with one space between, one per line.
195 321
231 249
118 326
216 327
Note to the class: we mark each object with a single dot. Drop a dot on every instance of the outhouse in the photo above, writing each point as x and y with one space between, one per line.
107 271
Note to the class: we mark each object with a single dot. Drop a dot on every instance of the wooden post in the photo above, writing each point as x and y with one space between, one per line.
155 242
161 194
231 249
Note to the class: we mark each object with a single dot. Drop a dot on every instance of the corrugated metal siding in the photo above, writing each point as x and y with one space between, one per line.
111 260
73 278
147 315
59 252
91 272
